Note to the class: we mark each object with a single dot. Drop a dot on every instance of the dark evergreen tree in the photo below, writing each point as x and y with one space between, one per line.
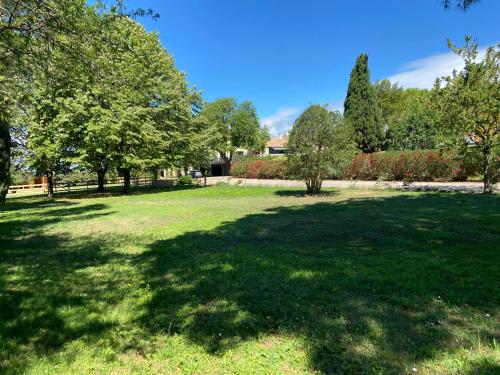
361 110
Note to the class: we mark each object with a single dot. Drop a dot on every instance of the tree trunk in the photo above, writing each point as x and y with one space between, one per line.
313 186
5 143
101 174
50 183
487 183
126 181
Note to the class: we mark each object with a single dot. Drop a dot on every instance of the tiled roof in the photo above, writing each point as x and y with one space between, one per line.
277 142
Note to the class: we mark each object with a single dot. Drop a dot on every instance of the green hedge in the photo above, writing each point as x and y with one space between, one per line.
420 165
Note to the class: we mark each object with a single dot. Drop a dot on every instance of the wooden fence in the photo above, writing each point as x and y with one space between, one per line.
74 186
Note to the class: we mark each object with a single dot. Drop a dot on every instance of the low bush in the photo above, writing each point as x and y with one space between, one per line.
261 167
421 165
185 180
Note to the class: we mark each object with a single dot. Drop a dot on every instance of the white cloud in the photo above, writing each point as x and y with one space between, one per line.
282 120
337 105
422 73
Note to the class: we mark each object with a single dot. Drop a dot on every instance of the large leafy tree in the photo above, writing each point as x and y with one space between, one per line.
31 33
468 107
149 104
417 131
361 110
320 146
134 110
407 116
235 125
47 142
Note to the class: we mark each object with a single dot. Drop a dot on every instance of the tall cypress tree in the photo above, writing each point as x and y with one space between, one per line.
361 110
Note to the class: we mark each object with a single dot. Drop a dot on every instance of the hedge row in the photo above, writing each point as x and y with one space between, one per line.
262 167
406 165
421 165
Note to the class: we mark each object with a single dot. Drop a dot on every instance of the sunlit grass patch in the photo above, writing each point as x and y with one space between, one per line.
253 281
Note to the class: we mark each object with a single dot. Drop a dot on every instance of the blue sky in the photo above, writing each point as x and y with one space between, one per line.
284 55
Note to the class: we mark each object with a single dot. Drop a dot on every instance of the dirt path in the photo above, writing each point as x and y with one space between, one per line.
468 187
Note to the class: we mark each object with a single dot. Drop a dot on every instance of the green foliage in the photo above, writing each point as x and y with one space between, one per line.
320 146
21 177
235 126
417 132
185 180
361 109
117 100
33 32
48 142
468 108
407 117
263 137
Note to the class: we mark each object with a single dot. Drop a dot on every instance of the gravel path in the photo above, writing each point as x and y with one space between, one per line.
466 187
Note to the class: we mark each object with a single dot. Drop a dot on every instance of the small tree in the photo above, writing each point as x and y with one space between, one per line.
361 110
320 145
468 107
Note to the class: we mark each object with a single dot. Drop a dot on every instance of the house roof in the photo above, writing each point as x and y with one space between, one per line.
277 142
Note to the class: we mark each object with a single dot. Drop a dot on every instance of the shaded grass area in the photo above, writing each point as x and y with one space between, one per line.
257 280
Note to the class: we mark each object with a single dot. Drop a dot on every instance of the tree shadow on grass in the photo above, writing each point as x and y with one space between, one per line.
369 284
47 297
484 368
64 198
116 191
303 193
34 202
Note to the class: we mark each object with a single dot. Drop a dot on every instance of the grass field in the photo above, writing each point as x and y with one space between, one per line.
225 280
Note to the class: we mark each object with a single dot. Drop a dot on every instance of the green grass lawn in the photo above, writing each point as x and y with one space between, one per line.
225 280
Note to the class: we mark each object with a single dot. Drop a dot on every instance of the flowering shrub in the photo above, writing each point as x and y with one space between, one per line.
408 166
262 167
